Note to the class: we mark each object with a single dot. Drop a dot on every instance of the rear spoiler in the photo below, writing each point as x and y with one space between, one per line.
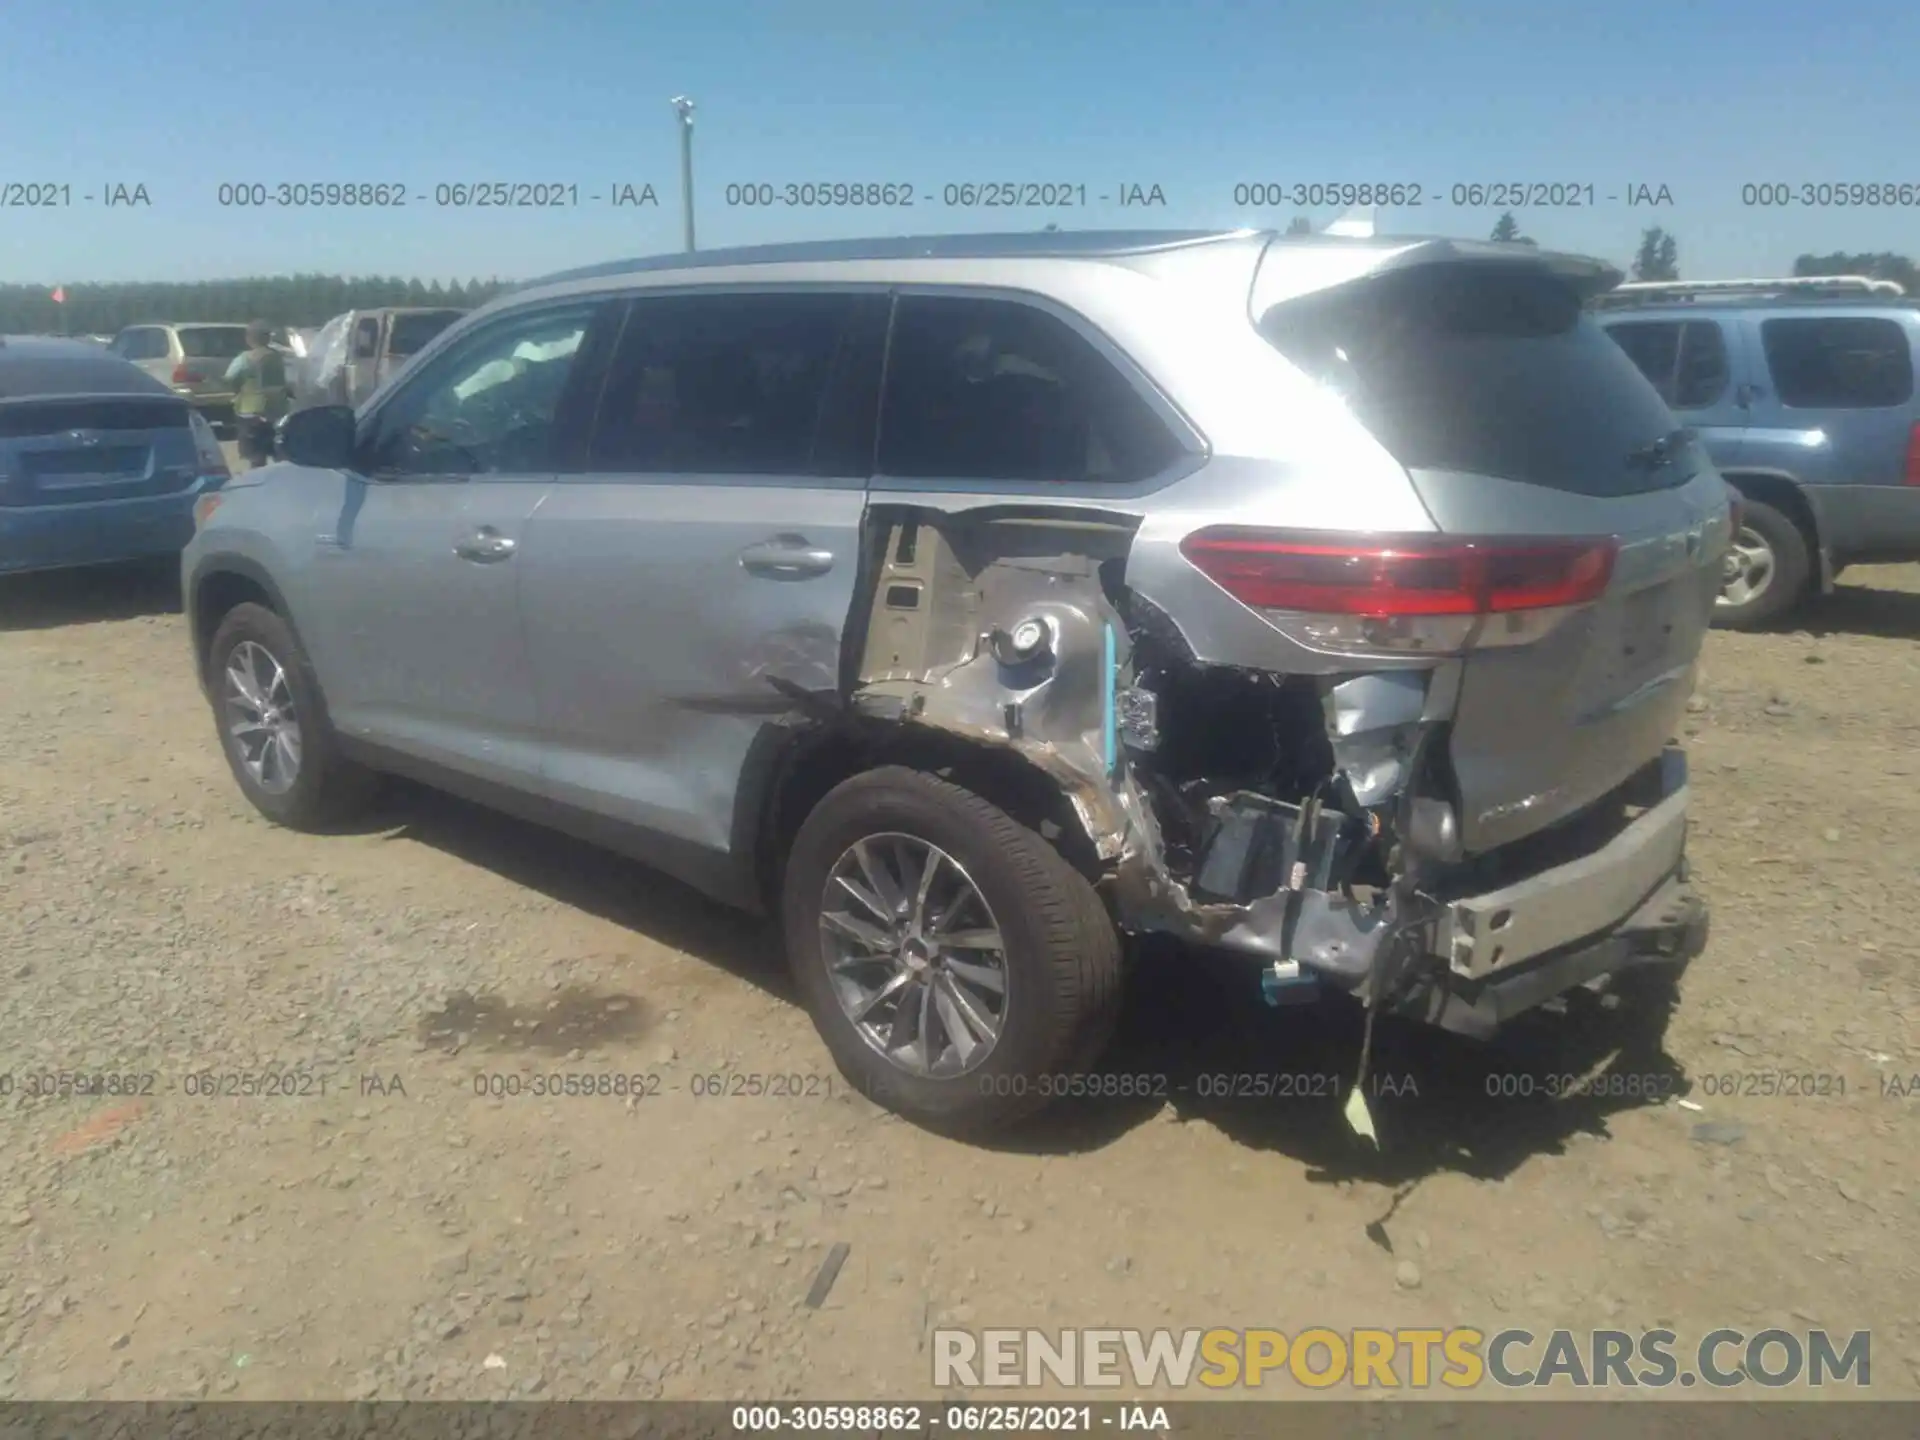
1322 262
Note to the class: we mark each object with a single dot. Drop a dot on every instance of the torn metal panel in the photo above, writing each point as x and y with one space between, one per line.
997 628
1374 723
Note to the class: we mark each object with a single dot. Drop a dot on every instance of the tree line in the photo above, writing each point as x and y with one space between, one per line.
300 300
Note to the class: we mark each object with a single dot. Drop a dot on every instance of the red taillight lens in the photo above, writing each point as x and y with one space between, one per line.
1386 576
1913 456
183 376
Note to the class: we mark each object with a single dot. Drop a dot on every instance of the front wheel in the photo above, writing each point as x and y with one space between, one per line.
1766 571
960 971
273 724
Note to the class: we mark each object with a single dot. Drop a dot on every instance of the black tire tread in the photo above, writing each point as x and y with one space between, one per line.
331 789
1793 563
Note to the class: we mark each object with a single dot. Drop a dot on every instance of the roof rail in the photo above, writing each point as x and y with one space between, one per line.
1817 285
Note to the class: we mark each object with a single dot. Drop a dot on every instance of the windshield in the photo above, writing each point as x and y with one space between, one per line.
212 342
411 333
1493 370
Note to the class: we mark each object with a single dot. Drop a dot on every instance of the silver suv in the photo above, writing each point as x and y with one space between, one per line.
975 602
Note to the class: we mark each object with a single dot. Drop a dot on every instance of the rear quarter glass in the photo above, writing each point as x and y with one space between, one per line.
1489 370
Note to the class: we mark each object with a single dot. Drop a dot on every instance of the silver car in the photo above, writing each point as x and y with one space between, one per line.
975 603
191 360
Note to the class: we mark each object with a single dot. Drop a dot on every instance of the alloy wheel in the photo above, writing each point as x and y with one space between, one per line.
914 955
1748 570
262 720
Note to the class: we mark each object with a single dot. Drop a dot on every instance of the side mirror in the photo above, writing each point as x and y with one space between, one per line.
321 437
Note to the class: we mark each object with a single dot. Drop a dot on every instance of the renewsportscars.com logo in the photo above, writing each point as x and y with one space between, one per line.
1460 1358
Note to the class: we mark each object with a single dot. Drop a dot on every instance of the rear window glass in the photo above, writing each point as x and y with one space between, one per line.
83 375
212 342
411 333
1838 362
1493 370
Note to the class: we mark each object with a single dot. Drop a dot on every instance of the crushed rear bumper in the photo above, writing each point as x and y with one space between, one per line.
1668 929
1581 912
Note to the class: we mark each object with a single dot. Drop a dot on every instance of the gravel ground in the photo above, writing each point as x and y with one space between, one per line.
386 1231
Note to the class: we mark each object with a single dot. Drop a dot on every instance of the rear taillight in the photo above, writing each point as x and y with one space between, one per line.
183 376
206 445
1913 456
1426 593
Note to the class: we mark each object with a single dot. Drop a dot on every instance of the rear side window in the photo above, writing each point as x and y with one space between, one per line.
987 389
411 333
1685 362
212 342
1489 369
148 344
1833 362
742 384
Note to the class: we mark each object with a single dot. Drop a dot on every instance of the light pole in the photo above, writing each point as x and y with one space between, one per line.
684 108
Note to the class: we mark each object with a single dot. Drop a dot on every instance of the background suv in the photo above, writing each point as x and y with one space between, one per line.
191 360
970 602
1803 393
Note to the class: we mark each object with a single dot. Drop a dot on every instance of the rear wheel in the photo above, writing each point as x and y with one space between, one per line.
1766 571
960 971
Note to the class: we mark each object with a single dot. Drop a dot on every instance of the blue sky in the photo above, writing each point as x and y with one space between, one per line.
1196 97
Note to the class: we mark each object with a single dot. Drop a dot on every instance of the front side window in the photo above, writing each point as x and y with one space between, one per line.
1839 362
991 389
488 406
366 338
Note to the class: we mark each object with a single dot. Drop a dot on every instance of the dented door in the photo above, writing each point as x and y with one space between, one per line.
699 567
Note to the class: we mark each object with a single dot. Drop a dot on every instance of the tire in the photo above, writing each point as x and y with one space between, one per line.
326 788
1772 533
1059 957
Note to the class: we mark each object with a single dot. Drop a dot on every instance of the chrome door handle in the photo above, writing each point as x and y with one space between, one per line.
485 546
786 557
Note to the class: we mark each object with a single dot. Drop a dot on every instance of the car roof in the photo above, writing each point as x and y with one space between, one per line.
1295 262
34 365
1027 245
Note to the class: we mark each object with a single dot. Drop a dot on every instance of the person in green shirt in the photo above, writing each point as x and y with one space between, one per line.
259 377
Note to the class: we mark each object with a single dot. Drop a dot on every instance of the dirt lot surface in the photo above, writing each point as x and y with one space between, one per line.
386 1231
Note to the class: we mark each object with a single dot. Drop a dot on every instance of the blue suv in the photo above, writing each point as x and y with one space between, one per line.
1803 392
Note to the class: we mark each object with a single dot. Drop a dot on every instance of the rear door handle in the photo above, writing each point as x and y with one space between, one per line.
485 546
786 557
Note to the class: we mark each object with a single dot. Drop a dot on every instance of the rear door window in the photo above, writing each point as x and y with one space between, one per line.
1686 362
1654 347
212 342
1838 362
1488 369
992 389
743 384
1704 371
